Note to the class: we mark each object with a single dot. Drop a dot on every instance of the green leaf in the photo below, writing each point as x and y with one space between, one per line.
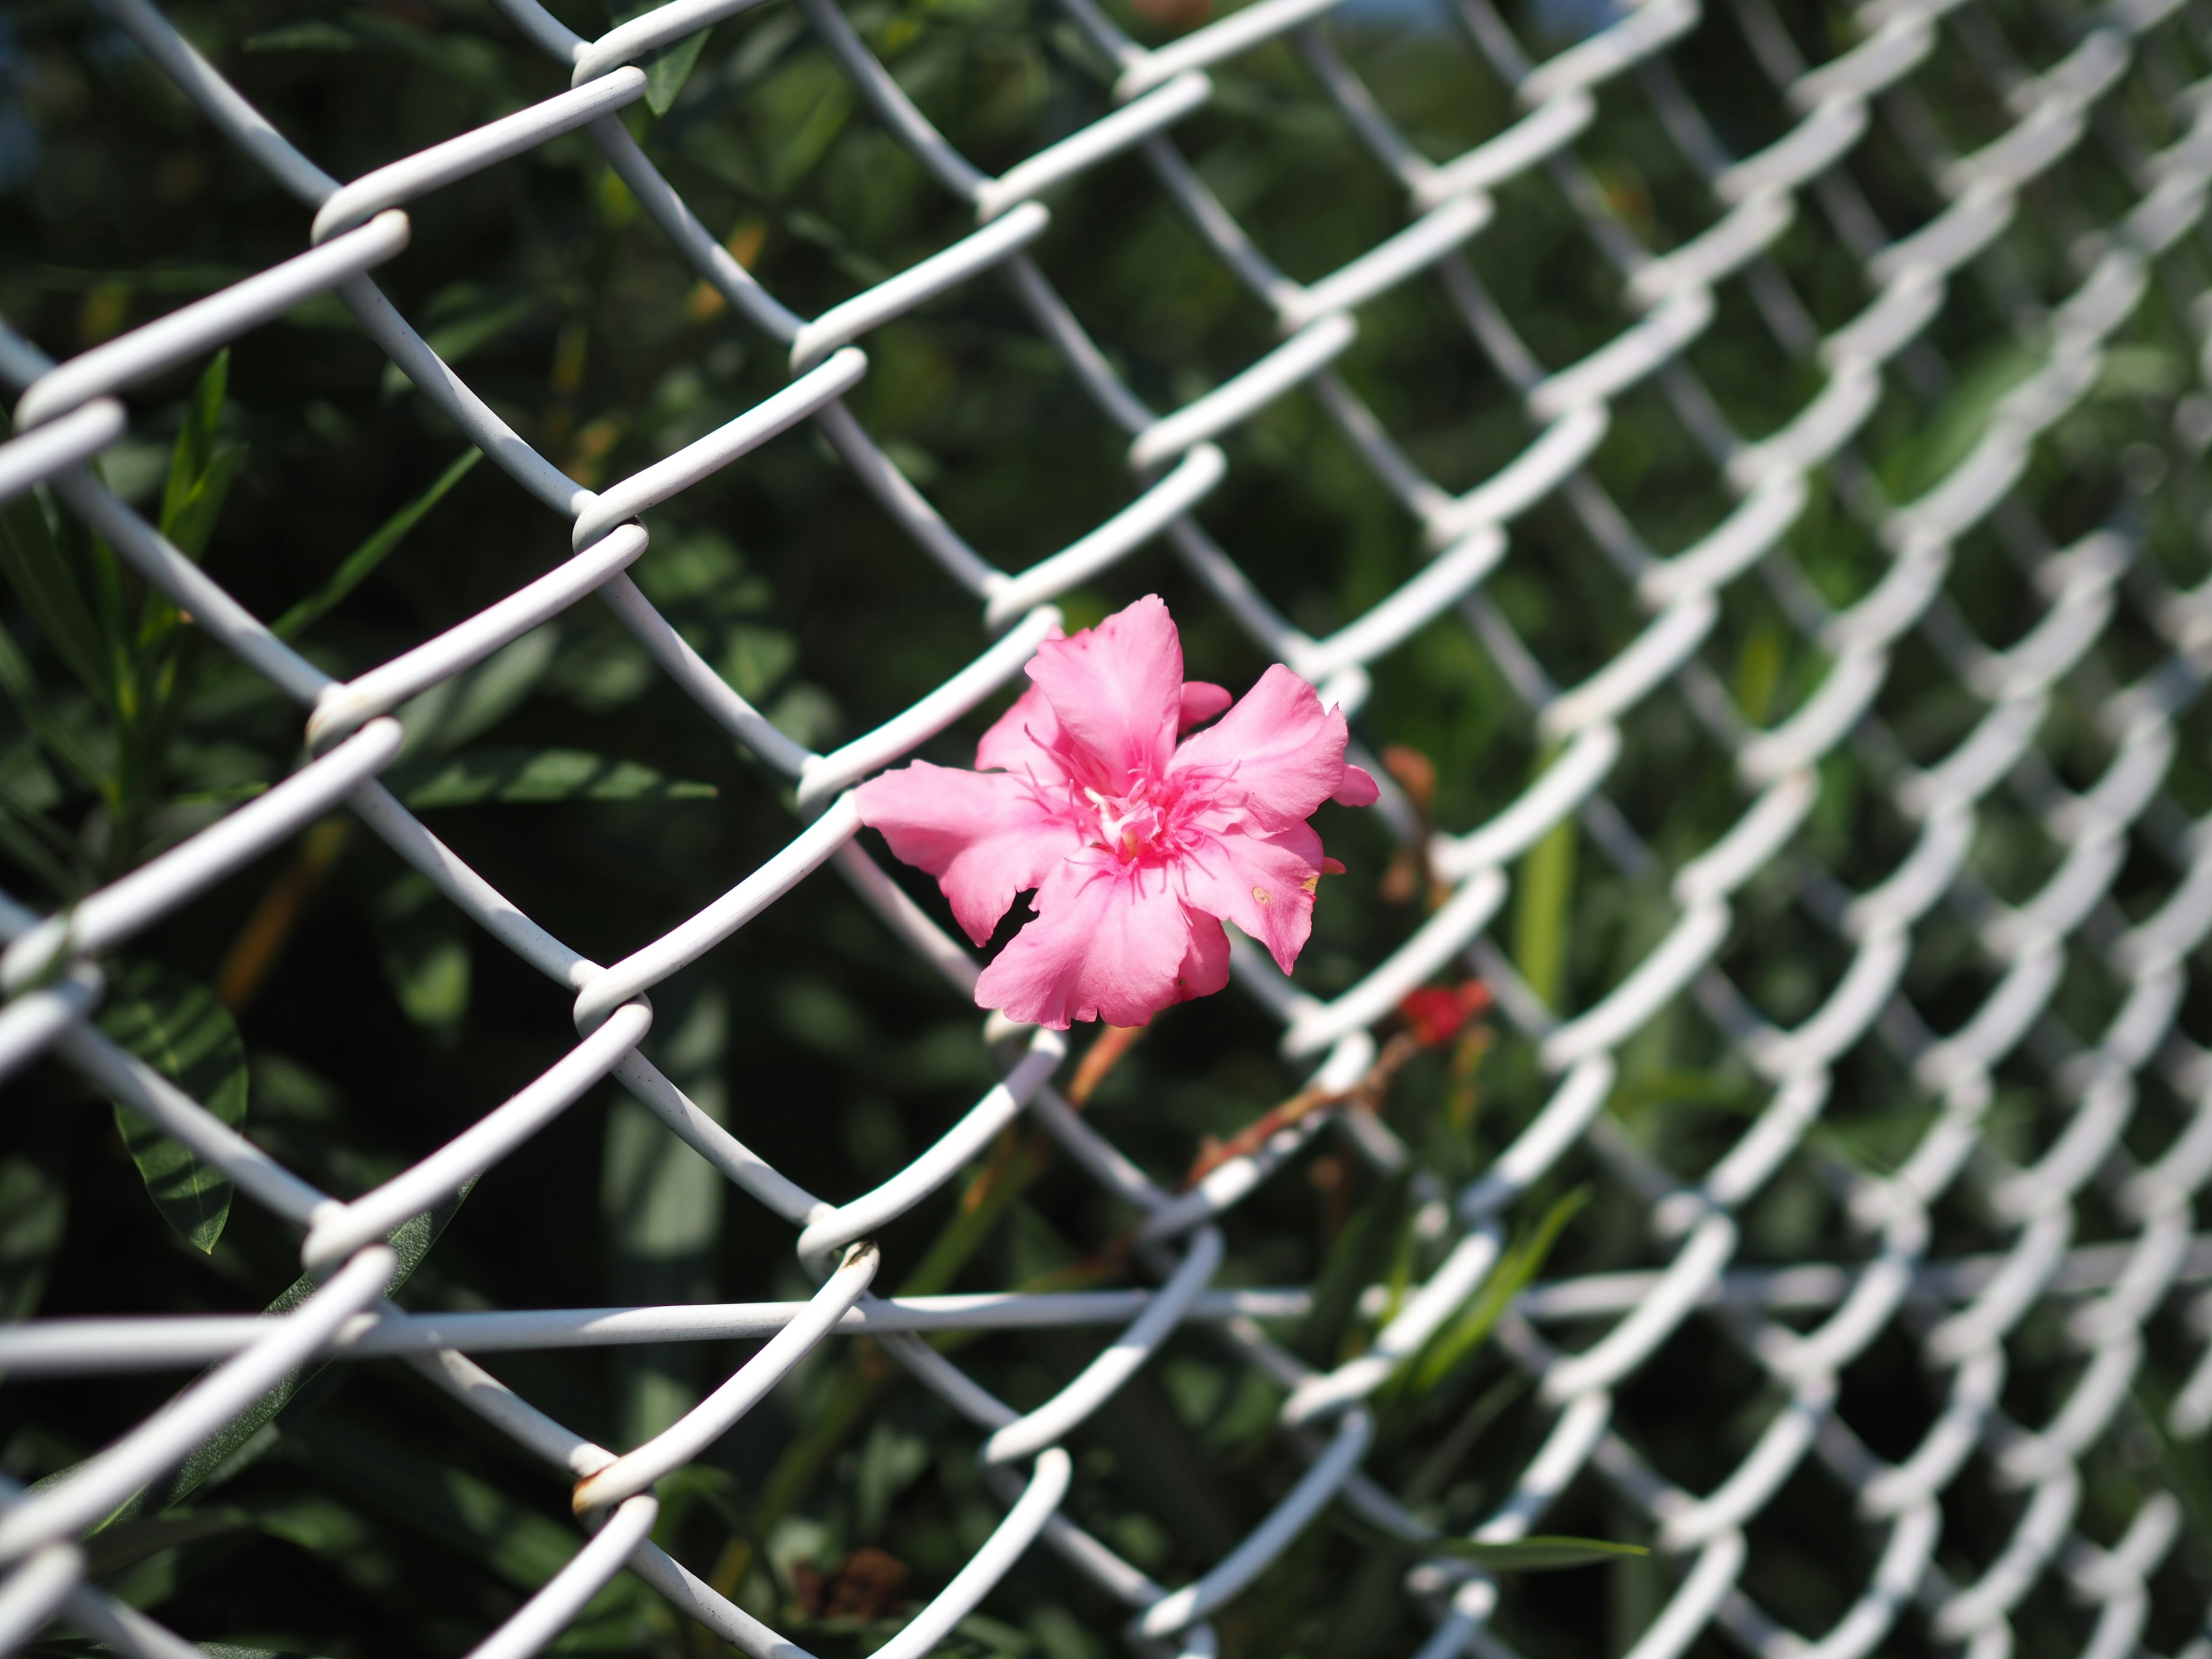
50 589
456 1510
1547 883
666 70
460 336
513 774
1958 422
463 709
1538 1555
21 683
175 1025
194 524
125 1545
251 1432
425 956
313 35
1360 1254
200 466
1520 1265
355 567
27 835
33 1208
195 439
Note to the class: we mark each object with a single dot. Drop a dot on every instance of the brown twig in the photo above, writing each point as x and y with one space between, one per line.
1410 869
1103 1054
1433 1015
262 940
1364 1094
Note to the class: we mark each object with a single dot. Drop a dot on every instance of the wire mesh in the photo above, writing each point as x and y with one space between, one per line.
2113 82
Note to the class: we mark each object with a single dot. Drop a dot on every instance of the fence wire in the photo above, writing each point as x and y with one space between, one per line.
1580 1340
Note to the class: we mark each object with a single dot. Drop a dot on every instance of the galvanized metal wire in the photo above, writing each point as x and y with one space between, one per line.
1801 1328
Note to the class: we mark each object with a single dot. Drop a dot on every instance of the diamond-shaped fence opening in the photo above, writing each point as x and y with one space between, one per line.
1778 444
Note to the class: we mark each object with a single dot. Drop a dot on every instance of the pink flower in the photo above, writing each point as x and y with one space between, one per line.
1138 850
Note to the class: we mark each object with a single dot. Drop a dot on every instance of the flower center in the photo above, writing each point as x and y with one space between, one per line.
1129 826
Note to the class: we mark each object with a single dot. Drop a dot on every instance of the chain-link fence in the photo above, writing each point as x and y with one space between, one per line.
2034 581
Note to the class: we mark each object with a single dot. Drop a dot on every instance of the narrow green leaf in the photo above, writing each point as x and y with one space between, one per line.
465 1514
1547 882
457 336
357 565
125 1545
666 70
516 774
33 1208
1541 1553
175 1024
313 35
51 591
196 441
463 709
2187 1469
1521 1264
21 683
251 1432
27 834
19 842
1957 421
1361 1253
194 524
1537 1554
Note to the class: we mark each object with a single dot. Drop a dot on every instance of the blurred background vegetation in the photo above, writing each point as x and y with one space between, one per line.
328 1000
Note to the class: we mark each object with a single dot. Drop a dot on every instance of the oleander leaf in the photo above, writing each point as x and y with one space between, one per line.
174 1023
514 774
50 588
1538 1555
201 467
1541 1553
357 565
33 1205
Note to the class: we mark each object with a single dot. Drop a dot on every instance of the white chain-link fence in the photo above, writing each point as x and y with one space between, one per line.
2104 1236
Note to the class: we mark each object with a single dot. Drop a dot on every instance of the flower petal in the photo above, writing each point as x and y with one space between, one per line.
1117 688
1358 789
1027 739
985 835
1264 883
1280 753
1205 963
1201 700
1109 941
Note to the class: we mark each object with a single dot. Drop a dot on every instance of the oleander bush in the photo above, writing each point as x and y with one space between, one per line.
330 1002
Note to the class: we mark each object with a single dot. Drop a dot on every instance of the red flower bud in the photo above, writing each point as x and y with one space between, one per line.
1435 1013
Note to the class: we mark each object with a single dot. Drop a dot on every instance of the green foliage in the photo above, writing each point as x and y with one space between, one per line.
1516 1270
425 954
1546 890
250 1435
360 564
50 589
202 465
175 1025
1538 1553
33 1208
512 774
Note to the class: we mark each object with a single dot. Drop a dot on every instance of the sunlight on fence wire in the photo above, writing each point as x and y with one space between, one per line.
1803 1327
